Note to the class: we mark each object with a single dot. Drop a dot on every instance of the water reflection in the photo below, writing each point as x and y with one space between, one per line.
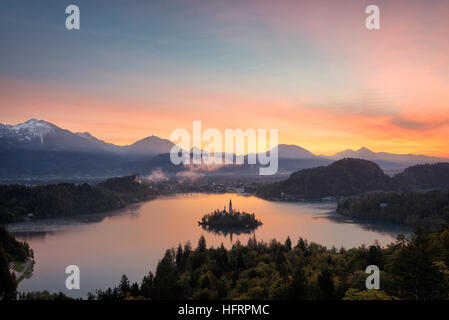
391 229
229 231
131 241
50 226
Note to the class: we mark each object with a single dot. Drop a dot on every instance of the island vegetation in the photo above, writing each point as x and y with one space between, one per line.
221 220
18 202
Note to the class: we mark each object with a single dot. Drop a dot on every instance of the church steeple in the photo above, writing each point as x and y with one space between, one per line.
230 206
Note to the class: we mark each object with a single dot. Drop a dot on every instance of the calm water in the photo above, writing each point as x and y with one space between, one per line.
132 240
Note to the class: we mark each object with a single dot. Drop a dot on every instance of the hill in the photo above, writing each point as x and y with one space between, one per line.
426 176
341 178
67 199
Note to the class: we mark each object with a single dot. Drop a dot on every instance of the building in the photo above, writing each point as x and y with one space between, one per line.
230 206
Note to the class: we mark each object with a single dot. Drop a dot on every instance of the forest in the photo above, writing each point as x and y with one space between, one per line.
67 199
412 269
426 209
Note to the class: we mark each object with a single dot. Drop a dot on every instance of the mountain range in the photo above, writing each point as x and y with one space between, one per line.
366 154
42 135
40 148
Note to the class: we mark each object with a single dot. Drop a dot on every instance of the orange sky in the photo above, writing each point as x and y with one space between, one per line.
307 68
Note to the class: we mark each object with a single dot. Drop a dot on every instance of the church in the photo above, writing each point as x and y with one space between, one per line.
230 209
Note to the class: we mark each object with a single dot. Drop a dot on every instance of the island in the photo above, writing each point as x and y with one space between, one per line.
231 221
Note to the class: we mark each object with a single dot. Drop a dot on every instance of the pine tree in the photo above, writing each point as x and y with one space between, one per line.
288 244
201 244
326 284
415 271
124 286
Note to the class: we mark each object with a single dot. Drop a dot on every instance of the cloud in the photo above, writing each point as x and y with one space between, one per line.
409 124
189 175
157 176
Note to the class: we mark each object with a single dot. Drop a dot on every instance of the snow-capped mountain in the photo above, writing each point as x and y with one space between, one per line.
27 131
38 148
42 135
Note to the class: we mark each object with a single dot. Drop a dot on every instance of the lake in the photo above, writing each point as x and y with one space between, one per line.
132 240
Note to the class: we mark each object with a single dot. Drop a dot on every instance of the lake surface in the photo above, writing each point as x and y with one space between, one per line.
132 240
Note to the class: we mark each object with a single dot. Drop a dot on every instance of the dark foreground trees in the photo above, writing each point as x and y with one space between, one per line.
410 269
11 251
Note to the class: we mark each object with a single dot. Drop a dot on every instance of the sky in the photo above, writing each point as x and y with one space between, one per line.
310 69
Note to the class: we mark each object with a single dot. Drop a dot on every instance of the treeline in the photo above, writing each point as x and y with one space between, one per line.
11 251
427 209
350 177
410 269
67 199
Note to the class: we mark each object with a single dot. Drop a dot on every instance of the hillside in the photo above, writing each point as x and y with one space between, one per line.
427 176
341 178
67 199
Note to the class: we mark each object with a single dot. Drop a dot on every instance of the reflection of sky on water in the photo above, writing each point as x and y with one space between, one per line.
388 228
131 241
229 231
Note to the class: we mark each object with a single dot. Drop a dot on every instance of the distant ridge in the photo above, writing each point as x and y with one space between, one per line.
341 178
367 154
40 148
348 177
42 135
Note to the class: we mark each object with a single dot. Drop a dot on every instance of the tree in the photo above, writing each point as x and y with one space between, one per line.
297 290
8 284
146 287
201 244
165 279
124 286
415 269
135 291
375 255
288 244
326 284
179 258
